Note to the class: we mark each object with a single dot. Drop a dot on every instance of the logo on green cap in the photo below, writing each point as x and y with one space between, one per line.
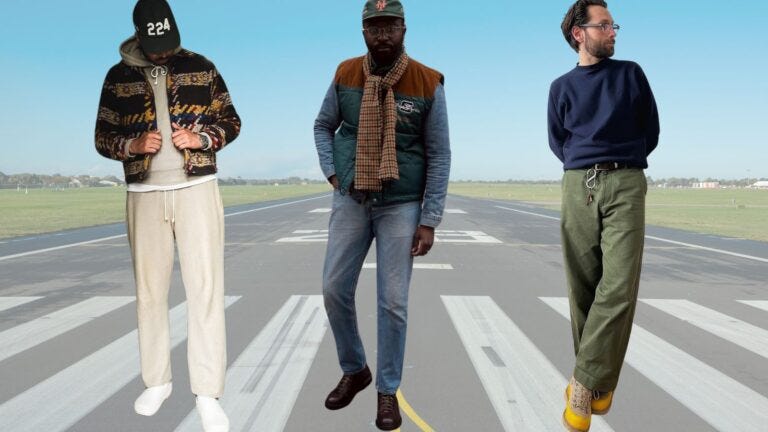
383 8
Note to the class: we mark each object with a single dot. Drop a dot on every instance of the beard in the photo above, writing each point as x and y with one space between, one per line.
386 56
601 50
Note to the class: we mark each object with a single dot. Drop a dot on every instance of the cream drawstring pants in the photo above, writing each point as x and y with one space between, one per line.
194 218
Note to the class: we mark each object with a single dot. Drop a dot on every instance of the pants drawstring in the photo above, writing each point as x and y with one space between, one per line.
165 206
173 206
590 183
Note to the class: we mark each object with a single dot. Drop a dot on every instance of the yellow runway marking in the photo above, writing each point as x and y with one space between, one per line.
408 409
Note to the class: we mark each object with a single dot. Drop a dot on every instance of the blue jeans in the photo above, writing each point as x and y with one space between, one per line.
353 226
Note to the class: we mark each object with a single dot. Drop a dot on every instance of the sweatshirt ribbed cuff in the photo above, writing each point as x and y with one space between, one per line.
126 148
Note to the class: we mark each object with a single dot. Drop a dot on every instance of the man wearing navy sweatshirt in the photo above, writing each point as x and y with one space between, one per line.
603 124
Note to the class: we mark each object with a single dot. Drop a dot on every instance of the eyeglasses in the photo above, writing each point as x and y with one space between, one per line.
379 31
604 27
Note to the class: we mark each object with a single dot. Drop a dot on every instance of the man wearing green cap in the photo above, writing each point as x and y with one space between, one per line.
382 140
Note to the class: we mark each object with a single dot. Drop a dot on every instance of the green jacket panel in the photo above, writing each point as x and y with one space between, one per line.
413 98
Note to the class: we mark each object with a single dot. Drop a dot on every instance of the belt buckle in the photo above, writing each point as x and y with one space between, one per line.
606 166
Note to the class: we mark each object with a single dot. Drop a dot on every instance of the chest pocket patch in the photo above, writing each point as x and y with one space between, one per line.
407 107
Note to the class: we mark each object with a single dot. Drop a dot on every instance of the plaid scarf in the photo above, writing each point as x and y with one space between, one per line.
376 159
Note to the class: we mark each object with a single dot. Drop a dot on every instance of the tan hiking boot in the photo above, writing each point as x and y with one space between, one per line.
601 401
577 416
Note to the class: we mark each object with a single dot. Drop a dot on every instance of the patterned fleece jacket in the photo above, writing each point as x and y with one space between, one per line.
197 99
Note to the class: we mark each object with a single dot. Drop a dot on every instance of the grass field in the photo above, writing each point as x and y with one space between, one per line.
741 213
45 210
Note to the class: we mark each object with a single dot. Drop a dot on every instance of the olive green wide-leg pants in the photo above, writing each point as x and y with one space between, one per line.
602 241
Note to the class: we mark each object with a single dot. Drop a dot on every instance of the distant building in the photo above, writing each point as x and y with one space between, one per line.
706 185
107 183
763 184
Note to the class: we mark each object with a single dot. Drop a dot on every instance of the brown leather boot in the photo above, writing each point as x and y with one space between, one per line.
348 387
388 414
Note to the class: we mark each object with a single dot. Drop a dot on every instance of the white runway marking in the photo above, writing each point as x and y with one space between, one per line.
721 401
417 266
276 206
27 335
61 400
455 211
709 249
39 251
321 210
689 245
529 213
745 335
306 236
760 304
444 236
12 302
263 383
525 388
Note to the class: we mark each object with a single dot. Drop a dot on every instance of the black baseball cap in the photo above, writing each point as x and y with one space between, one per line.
155 26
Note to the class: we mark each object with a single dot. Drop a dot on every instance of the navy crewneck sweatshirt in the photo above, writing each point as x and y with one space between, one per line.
603 113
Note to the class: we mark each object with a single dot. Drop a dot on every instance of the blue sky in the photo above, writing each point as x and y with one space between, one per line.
706 62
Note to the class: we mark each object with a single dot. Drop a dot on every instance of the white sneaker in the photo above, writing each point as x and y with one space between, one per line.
151 399
214 418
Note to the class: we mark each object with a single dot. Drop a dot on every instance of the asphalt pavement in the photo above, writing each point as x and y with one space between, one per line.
489 345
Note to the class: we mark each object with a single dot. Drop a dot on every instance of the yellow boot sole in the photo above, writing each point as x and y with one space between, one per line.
574 422
603 405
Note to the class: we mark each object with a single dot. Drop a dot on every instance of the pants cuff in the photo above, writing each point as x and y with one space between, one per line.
594 383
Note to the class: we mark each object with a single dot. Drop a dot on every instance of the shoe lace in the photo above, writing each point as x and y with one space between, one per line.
344 384
596 394
387 403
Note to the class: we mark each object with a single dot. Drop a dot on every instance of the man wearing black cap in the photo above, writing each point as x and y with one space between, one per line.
382 140
164 113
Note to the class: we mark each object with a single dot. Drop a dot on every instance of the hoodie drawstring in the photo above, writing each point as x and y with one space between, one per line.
157 71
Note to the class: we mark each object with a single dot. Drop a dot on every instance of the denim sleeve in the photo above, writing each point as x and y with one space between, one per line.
438 150
328 120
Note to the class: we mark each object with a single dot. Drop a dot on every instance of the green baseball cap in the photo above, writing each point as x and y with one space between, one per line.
383 8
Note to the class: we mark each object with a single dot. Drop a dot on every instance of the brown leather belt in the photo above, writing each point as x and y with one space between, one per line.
608 166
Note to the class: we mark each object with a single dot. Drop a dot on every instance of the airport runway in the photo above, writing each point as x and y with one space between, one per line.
489 346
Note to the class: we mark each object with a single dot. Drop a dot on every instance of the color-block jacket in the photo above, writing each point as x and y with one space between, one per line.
422 141
197 97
